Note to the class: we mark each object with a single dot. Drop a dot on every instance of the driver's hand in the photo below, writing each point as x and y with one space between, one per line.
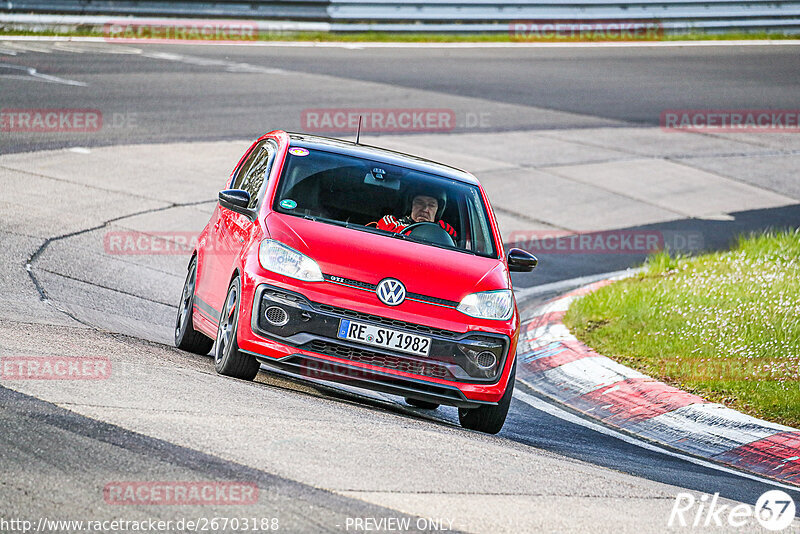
449 229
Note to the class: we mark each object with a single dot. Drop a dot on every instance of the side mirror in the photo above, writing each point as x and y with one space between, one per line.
237 200
521 261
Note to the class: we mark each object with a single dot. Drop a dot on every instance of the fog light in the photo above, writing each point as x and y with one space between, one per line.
481 360
276 316
486 360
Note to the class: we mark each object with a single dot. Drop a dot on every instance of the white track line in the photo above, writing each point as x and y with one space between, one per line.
33 74
526 293
361 45
555 411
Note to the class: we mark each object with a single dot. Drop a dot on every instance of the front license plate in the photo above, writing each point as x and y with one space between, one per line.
384 337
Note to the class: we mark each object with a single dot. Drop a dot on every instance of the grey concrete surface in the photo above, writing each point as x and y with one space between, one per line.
768 172
678 188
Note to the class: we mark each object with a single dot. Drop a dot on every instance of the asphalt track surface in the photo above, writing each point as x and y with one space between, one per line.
181 93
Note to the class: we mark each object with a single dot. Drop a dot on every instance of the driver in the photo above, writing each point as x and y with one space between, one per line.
424 208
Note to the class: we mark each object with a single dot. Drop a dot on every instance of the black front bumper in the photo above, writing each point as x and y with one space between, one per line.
313 327
320 369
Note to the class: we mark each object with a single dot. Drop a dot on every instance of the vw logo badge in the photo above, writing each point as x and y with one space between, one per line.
391 291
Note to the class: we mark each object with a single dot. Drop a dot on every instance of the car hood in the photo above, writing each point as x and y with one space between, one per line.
367 257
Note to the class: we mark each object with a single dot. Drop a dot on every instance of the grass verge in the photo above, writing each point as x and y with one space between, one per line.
725 326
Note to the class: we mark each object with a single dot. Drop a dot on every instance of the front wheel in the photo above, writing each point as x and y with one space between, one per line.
489 419
228 359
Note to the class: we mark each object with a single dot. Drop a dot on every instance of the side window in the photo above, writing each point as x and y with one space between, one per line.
242 172
480 232
254 171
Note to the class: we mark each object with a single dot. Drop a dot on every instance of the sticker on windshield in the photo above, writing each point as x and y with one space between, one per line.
297 151
288 204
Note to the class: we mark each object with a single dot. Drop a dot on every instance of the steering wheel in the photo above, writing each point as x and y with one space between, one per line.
430 232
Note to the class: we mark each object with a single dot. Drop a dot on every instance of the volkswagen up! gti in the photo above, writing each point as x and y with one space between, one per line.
298 270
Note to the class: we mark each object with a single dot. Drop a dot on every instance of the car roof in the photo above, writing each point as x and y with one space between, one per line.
341 146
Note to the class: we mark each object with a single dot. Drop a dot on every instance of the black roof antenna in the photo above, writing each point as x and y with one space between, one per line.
358 133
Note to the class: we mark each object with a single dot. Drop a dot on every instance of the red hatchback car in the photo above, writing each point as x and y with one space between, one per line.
348 263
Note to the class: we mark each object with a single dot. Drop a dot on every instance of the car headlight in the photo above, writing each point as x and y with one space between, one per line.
276 257
488 305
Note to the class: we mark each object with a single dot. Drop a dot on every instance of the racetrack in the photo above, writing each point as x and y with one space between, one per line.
555 152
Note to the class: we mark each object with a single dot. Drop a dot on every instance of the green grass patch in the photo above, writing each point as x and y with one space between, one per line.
389 37
725 326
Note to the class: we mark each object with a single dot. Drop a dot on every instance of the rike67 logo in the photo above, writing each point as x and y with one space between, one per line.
774 511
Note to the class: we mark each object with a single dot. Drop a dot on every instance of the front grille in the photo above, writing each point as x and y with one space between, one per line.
381 360
371 287
350 282
385 321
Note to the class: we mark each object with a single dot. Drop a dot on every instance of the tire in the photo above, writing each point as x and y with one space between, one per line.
489 419
186 337
425 405
228 359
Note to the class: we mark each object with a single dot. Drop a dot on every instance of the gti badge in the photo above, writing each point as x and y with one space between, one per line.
391 291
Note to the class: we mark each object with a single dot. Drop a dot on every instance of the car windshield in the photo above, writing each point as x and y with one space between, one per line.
378 197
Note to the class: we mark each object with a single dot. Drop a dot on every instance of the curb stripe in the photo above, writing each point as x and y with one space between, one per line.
706 429
548 333
548 318
579 377
777 456
553 355
556 364
634 400
554 410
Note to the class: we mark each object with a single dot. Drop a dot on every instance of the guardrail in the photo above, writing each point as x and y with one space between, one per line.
446 15
282 10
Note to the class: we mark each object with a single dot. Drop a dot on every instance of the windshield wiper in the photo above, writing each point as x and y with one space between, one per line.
329 221
369 229
431 243
346 224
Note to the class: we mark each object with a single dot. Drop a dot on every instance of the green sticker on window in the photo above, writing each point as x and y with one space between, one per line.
288 204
